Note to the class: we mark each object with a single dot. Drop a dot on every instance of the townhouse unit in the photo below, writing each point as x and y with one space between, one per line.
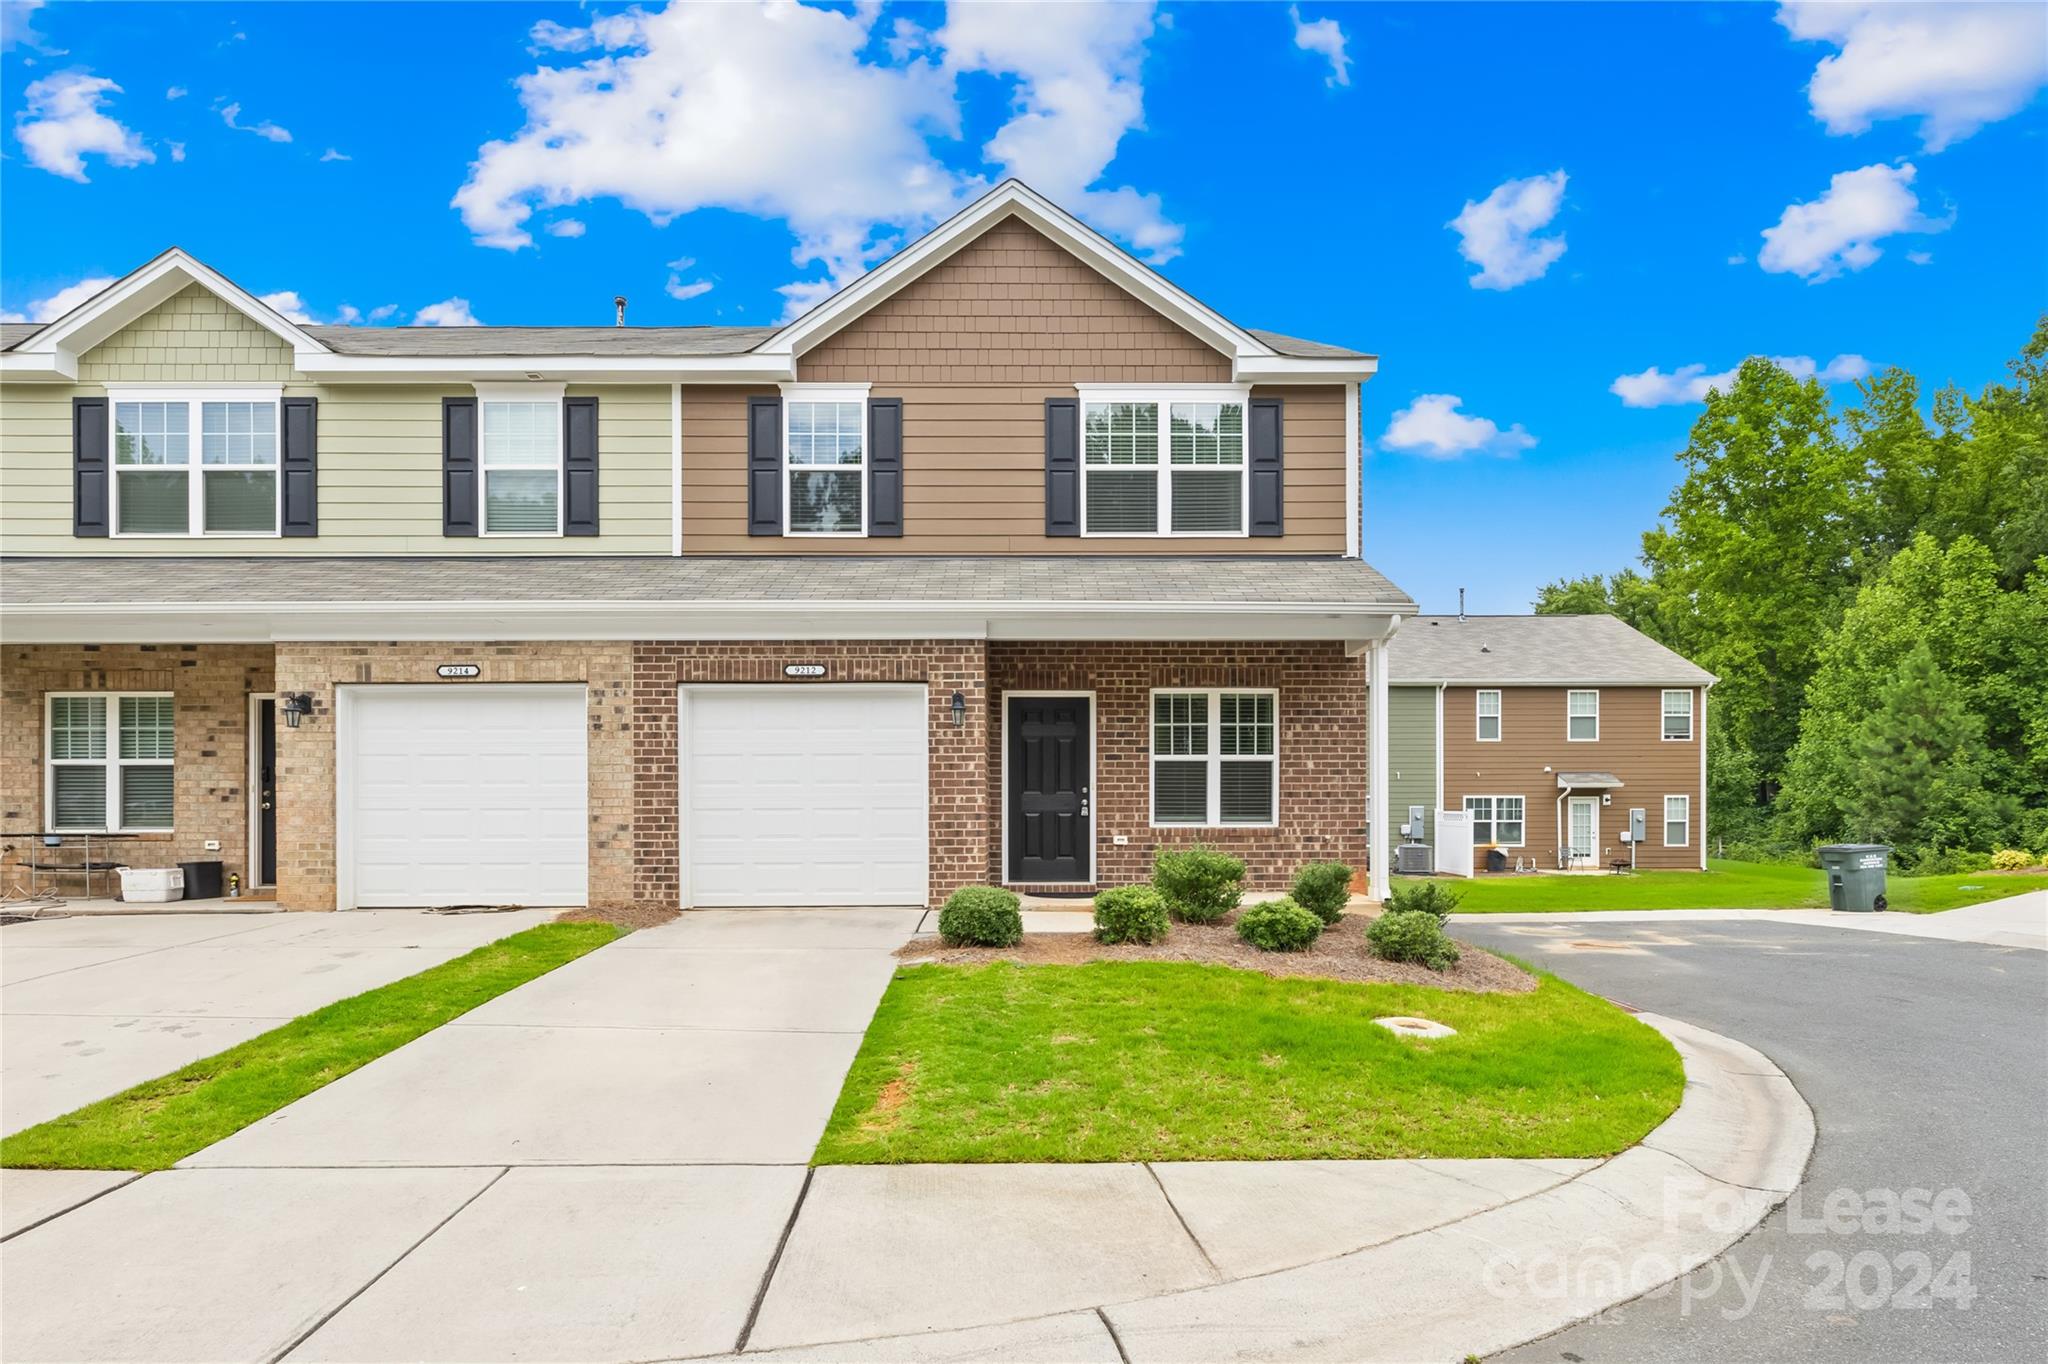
1010 562
1555 735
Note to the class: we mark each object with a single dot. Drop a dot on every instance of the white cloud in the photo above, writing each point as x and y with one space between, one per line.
677 287
266 130
1689 383
1326 37
1840 230
449 312
332 155
62 124
566 227
177 150
289 304
17 28
1954 66
383 311
1432 427
1497 234
551 36
57 304
176 92
349 315
1738 259
782 111
1920 257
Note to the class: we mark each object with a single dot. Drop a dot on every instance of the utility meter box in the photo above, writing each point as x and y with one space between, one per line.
1638 825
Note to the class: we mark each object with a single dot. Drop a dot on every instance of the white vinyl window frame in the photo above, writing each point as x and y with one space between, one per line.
794 394
1493 815
1682 805
1214 757
488 395
112 761
1683 712
194 468
1572 713
1481 715
1164 396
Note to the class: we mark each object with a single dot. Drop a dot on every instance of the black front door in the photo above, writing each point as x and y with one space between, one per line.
1051 832
266 792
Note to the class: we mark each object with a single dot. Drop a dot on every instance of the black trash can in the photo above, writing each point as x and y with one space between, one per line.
202 880
1496 860
1855 873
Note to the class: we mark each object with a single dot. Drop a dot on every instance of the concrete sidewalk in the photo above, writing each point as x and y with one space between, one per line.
2014 921
90 1006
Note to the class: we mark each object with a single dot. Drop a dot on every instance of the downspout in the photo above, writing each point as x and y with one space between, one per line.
1703 775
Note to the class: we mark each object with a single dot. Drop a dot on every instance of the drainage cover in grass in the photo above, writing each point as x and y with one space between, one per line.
160 1122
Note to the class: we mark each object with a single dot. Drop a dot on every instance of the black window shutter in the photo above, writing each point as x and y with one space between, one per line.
1267 467
885 466
579 466
764 466
1062 466
459 473
89 471
299 457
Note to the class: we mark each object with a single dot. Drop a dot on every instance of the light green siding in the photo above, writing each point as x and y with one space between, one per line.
380 450
1411 758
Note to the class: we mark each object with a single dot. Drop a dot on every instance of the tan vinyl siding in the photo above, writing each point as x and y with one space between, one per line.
1631 746
974 349
380 450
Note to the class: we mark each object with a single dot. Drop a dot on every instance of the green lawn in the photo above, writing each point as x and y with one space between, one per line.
1171 1061
158 1123
1724 885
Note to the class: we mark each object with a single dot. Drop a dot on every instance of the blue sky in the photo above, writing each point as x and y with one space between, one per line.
1607 173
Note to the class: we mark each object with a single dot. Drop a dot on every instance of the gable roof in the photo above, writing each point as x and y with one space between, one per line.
1562 651
736 354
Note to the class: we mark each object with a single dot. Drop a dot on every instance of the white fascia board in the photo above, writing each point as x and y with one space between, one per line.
50 367
128 298
1013 198
464 369
1290 369
204 622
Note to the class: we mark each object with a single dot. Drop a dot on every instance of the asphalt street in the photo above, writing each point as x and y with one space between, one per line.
1921 1231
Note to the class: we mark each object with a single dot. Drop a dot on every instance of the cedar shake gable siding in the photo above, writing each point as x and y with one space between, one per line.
974 348
1631 746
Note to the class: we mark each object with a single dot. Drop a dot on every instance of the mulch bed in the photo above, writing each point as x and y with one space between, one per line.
1340 954
628 917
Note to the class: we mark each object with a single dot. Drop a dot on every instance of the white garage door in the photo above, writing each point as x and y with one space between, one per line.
462 796
804 795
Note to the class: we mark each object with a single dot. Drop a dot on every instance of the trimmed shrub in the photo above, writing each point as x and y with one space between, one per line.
1413 935
2011 859
1433 898
1279 926
1130 914
1323 889
981 916
1200 885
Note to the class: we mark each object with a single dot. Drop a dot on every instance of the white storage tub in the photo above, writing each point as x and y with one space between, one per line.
152 885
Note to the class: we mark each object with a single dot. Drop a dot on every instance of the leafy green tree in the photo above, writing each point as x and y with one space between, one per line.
1754 562
1734 814
1628 595
1921 763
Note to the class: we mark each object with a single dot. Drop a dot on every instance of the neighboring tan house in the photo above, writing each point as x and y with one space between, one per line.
1009 562
1551 732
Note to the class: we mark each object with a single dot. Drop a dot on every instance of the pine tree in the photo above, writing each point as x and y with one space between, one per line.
1921 759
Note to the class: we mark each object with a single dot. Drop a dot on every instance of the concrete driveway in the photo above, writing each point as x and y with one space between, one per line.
92 1005
644 1113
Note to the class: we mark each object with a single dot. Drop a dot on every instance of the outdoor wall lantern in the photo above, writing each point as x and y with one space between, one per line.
296 704
959 709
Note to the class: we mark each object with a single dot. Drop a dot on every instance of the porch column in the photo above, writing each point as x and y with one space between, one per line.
1376 781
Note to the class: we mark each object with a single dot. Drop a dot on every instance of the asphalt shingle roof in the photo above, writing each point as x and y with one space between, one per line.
1069 579
1541 650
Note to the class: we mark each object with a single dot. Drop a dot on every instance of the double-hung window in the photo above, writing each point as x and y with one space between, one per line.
824 454
203 462
1678 714
1489 717
1215 757
1496 820
1582 716
1163 462
109 760
519 448
1677 821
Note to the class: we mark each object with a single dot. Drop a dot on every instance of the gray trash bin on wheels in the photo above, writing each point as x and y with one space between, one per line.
1855 873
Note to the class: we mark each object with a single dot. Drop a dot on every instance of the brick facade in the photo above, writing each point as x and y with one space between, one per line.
1321 743
212 684
305 756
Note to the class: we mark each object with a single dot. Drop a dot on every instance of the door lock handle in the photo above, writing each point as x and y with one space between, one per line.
266 805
